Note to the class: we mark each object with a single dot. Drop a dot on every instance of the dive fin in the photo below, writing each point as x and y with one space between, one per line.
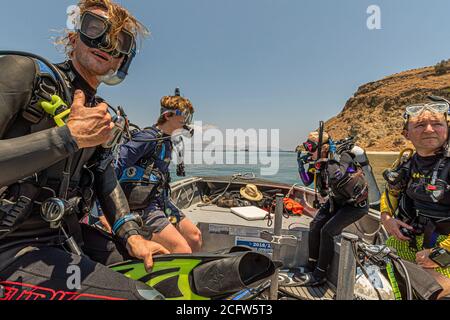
205 276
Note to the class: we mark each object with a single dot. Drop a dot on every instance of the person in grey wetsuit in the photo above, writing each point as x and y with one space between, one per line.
49 167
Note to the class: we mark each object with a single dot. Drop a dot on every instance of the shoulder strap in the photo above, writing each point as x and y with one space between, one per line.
148 163
444 170
45 86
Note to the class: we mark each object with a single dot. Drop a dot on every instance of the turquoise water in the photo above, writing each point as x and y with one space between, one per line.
287 173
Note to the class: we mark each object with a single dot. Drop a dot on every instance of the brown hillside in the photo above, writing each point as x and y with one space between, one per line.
374 113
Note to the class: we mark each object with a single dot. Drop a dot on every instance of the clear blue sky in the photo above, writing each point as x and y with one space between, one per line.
253 63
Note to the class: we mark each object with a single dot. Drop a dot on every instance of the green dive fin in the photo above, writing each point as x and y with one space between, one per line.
207 276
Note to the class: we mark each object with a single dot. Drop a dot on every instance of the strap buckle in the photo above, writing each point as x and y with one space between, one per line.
284 240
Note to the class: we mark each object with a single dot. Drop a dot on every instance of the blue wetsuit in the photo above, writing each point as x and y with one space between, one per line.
134 158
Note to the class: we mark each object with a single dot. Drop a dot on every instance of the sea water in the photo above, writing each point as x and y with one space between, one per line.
287 167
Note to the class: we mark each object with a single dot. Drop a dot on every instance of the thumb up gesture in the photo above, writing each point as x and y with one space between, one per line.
90 127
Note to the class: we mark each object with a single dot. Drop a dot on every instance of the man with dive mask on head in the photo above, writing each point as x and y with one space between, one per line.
415 207
143 168
50 151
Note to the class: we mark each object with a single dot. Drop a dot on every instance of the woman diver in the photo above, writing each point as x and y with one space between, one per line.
339 179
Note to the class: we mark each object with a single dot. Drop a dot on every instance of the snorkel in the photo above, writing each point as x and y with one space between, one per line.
114 78
333 148
316 203
187 130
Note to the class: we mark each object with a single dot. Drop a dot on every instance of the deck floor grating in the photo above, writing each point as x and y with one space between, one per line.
307 293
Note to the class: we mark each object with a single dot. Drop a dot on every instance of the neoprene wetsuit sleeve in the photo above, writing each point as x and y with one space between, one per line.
386 203
23 156
307 177
446 244
114 202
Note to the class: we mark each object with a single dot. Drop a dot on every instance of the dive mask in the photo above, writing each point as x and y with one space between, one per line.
310 146
95 33
435 107
188 116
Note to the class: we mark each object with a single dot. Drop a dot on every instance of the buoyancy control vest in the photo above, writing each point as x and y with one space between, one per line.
150 177
424 203
345 180
430 191
20 202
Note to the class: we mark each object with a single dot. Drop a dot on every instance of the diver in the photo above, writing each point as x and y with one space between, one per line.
339 179
143 167
50 163
415 208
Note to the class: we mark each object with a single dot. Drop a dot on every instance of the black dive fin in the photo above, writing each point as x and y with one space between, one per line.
202 276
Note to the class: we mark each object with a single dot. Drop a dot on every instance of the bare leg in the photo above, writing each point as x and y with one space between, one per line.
191 233
442 280
170 238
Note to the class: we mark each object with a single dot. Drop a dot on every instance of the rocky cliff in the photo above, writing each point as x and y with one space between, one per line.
374 113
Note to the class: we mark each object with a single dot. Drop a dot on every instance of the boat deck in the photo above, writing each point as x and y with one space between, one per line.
217 215
325 292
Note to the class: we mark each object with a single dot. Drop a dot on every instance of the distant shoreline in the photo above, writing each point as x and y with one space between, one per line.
387 153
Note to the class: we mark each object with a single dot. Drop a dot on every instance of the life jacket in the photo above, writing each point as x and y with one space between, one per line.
293 206
149 178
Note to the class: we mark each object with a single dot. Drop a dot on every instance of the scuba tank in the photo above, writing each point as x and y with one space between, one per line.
363 160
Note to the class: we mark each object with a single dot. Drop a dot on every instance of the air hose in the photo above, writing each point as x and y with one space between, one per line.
389 268
246 176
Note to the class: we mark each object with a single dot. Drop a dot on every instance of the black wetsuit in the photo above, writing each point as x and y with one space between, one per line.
333 216
32 256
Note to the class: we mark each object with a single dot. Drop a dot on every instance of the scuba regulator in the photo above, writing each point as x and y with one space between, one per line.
397 175
121 126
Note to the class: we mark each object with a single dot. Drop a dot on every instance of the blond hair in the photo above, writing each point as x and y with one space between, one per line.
314 136
174 103
119 17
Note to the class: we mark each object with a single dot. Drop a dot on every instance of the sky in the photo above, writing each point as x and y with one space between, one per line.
262 64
